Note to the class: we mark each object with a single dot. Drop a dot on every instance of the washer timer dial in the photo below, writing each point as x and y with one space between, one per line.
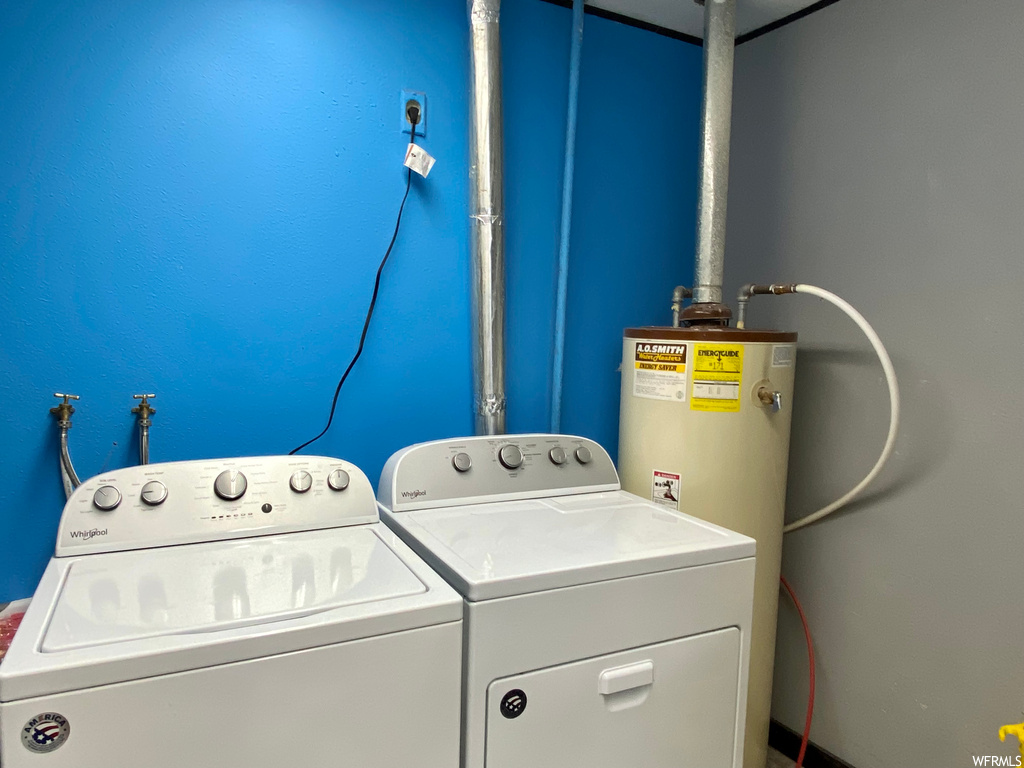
510 456
230 485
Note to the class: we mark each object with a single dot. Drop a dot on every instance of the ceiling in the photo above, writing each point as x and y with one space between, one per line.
688 17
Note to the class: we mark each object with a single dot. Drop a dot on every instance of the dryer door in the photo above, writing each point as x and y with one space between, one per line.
670 705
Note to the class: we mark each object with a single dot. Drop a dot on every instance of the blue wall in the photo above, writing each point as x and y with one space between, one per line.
634 207
194 197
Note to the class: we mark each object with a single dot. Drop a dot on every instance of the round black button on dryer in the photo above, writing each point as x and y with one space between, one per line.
513 703
266 507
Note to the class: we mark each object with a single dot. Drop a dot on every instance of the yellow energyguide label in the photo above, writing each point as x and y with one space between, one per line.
717 377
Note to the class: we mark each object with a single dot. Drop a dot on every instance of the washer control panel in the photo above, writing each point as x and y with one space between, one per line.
157 505
474 470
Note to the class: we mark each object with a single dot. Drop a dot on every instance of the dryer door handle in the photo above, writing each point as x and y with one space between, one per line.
619 679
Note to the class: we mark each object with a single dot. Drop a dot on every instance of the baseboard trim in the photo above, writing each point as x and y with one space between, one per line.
787 742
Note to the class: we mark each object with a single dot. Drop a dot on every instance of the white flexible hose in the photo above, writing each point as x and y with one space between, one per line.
894 406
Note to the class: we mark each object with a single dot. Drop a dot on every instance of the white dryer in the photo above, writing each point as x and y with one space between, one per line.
601 630
233 613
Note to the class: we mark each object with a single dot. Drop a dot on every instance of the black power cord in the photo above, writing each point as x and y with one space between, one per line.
413 115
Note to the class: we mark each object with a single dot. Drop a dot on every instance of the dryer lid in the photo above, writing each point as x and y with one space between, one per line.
203 588
514 547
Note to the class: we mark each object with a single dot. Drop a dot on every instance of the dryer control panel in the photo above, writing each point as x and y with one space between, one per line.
474 470
186 502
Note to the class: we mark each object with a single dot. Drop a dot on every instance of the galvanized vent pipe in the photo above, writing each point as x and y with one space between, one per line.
716 123
487 218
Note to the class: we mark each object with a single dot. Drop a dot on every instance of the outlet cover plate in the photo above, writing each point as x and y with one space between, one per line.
421 129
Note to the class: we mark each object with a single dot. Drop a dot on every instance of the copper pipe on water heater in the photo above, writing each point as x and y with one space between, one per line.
680 294
750 289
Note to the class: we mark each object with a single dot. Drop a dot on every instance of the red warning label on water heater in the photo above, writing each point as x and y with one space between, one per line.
665 489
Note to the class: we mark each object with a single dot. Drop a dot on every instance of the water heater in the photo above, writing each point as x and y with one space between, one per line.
704 428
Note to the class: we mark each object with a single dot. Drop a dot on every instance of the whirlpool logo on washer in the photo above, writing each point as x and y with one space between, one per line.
45 732
413 494
86 535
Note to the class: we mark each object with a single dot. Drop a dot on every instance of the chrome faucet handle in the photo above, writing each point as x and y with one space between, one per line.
142 397
66 397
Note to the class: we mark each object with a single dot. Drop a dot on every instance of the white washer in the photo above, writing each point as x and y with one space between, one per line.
245 612
601 629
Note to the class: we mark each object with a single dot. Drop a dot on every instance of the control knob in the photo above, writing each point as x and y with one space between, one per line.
154 493
106 498
557 455
338 480
510 456
301 481
462 462
583 455
230 485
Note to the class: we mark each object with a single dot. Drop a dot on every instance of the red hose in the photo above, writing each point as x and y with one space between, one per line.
810 661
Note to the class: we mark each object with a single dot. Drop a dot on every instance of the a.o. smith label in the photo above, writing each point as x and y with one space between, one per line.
717 377
659 371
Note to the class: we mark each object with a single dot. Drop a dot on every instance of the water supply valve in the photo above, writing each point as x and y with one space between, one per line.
64 411
770 399
144 410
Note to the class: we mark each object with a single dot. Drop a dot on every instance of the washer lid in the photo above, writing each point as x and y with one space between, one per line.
212 587
108 618
514 547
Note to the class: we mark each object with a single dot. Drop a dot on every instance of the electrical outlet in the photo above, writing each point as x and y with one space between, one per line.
419 98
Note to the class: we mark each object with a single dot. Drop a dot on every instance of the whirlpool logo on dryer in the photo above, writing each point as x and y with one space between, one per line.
90 534
413 494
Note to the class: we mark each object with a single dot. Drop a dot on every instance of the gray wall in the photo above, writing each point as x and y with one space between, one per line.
878 151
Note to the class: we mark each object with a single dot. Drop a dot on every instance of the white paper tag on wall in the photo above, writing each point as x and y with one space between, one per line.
419 160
